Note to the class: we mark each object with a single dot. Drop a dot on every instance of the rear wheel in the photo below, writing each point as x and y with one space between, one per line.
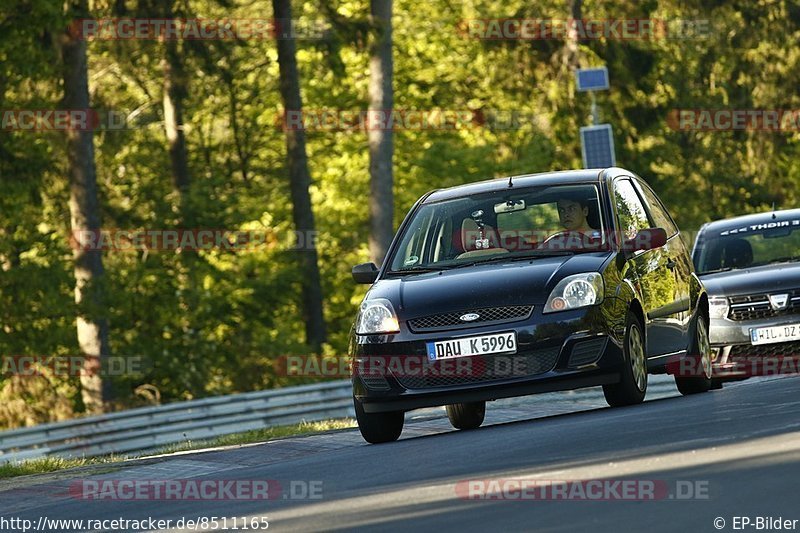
632 386
379 427
701 353
466 415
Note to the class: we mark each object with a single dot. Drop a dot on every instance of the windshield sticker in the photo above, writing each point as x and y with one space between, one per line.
760 227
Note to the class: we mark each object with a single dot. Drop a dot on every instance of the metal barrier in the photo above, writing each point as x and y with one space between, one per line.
152 428
149 429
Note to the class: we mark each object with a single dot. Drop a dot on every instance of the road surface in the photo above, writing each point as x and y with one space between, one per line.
685 462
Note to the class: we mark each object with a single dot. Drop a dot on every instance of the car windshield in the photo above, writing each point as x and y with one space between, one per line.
501 226
748 246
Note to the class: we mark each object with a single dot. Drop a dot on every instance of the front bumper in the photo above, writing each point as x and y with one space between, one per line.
558 351
726 332
734 354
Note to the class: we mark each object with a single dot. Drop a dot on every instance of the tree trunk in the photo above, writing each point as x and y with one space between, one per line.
381 147
174 95
85 217
244 156
299 181
571 51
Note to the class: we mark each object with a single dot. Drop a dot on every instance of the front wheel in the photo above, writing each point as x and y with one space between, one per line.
379 427
700 352
632 385
466 415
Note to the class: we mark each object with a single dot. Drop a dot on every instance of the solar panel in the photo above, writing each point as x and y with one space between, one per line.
592 79
597 146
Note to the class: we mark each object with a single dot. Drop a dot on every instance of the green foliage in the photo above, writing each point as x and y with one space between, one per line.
215 322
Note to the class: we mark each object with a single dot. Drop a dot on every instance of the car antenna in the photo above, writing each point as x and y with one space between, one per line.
510 183
773 211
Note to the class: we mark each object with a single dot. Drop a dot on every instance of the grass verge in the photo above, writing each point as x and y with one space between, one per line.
52 464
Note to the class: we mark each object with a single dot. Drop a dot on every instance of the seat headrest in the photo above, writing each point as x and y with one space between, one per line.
737 254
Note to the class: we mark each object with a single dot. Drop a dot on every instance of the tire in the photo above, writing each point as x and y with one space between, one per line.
377 428
701 352
466 415
632 386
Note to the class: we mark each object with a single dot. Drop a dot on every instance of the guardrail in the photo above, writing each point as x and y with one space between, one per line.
151 428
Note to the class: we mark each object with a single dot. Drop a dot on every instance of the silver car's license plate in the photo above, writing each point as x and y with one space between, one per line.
468 346
773 334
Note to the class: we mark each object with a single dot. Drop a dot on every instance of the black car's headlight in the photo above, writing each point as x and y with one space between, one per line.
376 317
572 292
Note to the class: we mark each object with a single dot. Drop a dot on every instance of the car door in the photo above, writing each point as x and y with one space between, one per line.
678 262
646 269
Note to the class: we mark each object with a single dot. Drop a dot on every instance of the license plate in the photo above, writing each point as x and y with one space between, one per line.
468 346
775 334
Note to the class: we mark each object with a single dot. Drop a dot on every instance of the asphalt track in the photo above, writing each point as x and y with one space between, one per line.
725 454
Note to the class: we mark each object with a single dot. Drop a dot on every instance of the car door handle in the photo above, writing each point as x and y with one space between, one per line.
671 264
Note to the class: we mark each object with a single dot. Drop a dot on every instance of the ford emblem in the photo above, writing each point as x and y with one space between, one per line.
469 317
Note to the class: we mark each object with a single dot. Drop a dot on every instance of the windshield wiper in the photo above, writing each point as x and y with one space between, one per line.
788 259
508 257
422 269
417 270
723 269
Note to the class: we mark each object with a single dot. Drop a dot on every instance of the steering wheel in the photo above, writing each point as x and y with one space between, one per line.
565 234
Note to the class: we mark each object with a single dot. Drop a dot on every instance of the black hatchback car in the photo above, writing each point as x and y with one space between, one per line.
524 285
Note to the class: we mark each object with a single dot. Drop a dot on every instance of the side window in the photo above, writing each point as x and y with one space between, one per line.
659 213
631 211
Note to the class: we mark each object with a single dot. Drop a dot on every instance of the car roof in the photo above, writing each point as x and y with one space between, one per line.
591 175
756 218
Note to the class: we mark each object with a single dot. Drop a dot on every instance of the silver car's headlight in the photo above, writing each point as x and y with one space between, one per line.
375 317
717 306
572 292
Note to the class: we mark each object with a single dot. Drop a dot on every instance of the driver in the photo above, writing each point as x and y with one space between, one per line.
572 214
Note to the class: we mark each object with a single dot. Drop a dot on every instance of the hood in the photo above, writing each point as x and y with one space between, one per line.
527 282
767 278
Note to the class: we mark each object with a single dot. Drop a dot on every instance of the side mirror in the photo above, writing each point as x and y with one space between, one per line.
646 239
365 273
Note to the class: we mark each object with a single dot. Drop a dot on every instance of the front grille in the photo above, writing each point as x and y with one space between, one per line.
765 350
756 306
586 352
481 369
487 316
